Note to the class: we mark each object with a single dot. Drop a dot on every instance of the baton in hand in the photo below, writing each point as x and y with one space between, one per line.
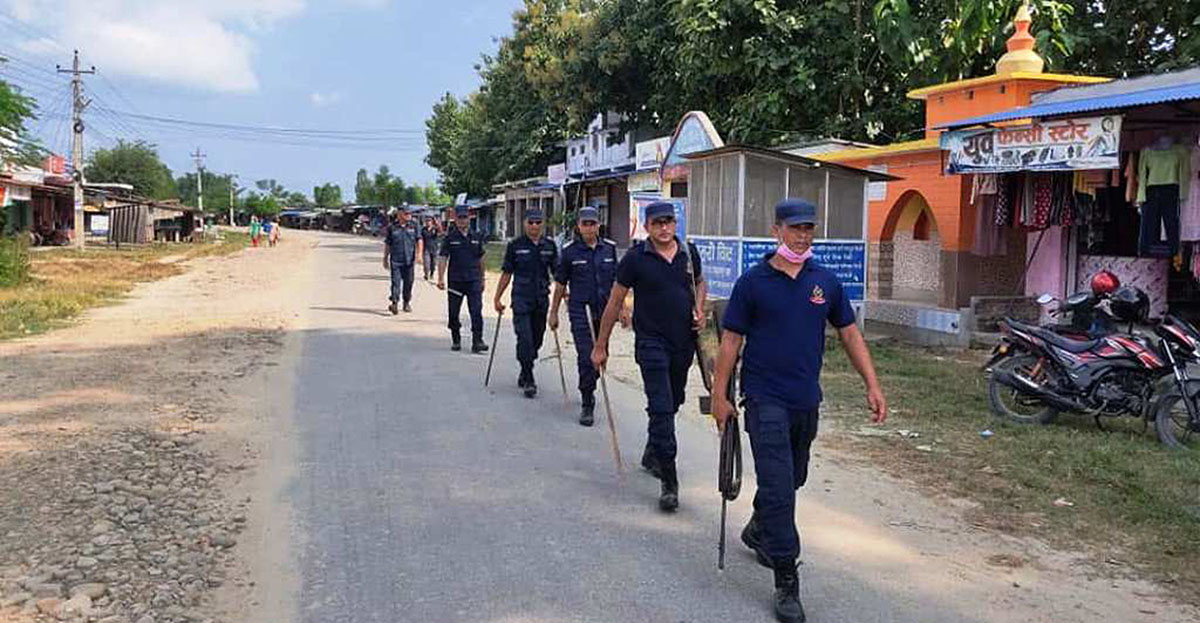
492 357
562 376
612 427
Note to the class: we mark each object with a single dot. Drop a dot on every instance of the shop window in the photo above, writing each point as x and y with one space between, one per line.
679 189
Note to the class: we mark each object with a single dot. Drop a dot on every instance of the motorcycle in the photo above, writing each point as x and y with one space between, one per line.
1036 373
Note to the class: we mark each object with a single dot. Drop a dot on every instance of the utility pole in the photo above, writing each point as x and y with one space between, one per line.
199 158
232 194
78 104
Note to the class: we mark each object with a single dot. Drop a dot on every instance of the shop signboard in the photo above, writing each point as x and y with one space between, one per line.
719 260
557 174
637 215
1060 145
847 259
99 224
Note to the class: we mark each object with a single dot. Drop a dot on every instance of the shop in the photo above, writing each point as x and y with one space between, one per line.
1105 177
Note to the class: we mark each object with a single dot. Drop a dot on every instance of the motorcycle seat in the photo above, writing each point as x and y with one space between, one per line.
1067 344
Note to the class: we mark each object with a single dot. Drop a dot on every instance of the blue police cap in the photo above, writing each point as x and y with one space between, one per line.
796 212
462 211
588 213
534 214
659 209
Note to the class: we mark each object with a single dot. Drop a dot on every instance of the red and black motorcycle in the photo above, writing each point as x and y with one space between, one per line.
1037 373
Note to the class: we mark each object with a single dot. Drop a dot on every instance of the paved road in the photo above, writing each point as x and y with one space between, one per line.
418 495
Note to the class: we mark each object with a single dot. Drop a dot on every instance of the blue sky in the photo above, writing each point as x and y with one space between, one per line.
321 64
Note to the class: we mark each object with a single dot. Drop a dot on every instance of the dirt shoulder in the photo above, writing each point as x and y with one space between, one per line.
128 439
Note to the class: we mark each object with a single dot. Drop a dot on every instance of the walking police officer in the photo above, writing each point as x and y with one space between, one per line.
400 240
778 310
462 260
668 307
529 262
587 268
429 246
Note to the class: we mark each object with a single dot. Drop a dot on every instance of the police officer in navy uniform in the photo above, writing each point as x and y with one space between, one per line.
778 310
400 241
462 260
587 269
529 262
429 246
668 307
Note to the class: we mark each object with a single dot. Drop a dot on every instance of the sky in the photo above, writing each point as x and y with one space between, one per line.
362 74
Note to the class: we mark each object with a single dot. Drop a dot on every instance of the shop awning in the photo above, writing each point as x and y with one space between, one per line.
1115 95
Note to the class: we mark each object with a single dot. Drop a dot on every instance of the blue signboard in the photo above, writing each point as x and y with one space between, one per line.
846 260
719 261
640 201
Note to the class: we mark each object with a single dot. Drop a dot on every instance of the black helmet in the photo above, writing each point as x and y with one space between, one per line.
1129 304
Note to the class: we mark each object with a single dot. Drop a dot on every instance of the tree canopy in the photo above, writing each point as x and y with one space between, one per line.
134 163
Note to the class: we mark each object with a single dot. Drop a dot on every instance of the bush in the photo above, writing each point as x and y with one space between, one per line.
14 261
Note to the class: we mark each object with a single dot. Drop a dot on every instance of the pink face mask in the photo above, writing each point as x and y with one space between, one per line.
791 256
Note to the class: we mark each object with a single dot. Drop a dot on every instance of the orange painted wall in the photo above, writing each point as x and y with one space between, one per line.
922 172
970 102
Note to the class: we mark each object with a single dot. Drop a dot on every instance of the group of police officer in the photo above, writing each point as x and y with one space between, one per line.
774 325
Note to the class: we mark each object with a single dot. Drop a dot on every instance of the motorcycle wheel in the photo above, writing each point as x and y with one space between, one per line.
1011 404
1171 423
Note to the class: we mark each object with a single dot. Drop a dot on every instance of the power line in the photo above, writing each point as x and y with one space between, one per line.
275 130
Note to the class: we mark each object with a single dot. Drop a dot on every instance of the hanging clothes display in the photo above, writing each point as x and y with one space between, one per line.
1163 180
989 238
1131 177
1004 200
1189 212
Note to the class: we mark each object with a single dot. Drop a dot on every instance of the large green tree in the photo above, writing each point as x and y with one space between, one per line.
327 195
216 190
16 109
135 163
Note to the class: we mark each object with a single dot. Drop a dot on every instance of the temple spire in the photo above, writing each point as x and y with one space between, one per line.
1020 56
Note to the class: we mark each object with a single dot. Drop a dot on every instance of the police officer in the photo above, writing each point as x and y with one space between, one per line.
462 257
529 262
400 240
588 267
778 310
669 290
429 246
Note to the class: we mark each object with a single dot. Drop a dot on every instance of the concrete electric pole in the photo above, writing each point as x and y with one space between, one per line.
78 104
199 158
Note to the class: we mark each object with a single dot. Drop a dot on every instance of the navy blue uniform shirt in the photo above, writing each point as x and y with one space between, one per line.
531 264
401 241
783 321
463 252
662 296
588 272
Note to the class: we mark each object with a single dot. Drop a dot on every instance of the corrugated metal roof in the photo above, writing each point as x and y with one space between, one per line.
1142 91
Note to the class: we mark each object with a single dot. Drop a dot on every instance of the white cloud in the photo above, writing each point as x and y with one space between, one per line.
322 100
204 44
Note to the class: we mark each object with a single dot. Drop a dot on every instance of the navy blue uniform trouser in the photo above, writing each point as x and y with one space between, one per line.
584 341
780 439
430 256
664 377
402 282
474 295
529 323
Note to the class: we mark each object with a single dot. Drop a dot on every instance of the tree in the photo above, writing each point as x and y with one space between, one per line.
327 195
135 163
261 204
364 188
216 191
15 109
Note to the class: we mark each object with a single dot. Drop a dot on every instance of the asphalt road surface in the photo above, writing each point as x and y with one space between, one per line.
418 495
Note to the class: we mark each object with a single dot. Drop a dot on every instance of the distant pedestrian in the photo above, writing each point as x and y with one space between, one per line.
255 230
268 232
778 310
429 246
668 305
587 269
400 240
276 234
529 262
461 261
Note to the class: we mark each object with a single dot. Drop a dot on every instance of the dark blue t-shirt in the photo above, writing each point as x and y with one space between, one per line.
783 321
662 295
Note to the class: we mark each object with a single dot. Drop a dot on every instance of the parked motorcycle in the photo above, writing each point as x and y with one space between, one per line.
1036 373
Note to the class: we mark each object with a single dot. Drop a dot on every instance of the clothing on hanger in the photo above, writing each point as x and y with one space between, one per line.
1161 167
1189 212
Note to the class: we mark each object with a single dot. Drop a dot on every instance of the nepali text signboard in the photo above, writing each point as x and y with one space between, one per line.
845 259
719 263
1063 145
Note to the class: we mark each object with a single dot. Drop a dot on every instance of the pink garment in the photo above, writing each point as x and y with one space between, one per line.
1189 210
793 257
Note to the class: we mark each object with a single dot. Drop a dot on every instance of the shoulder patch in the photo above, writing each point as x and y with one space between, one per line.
610 241
568 244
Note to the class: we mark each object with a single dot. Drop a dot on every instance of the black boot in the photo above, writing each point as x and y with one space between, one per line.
392 308
477 346
407 307
530 385
455 341
587 415
752 538
668 499
522 379
788 608
650 462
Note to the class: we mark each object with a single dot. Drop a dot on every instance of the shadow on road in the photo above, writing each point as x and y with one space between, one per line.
355 310
366 277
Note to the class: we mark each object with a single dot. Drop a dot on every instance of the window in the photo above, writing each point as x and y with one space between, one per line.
595 143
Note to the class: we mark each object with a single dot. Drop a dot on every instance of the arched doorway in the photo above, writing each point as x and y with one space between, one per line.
909 255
